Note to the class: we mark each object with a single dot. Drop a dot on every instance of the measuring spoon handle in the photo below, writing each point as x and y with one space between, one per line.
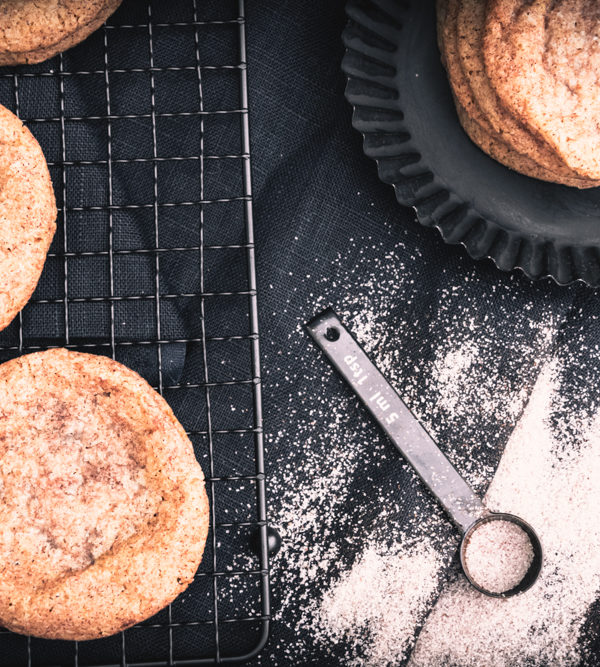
396 419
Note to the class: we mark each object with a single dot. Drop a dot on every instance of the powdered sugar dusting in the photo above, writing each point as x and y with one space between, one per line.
466 382
311 510
559 495
382 596
452 371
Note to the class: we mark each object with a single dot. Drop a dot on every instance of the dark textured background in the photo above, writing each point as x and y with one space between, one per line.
328 232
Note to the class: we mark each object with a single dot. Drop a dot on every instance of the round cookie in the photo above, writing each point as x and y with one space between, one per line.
34 30
103 510
506 155
27 215
475 124
543 59
470 25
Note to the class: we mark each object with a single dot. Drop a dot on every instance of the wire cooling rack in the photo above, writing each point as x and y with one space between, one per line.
145 129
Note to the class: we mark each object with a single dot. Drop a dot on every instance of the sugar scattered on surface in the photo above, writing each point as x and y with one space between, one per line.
461 388
335 437
380 595
464 380
559 496
498 555
452 369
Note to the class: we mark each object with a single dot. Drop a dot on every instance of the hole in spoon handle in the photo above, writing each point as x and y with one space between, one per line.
396 419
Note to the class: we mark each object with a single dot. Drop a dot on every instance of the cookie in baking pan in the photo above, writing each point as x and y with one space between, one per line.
470 27
542 59
523 76
462 73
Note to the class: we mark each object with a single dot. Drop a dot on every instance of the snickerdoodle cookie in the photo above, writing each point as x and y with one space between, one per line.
27 215
34 30
502 58
103 510
543 60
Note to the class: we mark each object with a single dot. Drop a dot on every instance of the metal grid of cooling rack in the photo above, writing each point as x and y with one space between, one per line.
145 129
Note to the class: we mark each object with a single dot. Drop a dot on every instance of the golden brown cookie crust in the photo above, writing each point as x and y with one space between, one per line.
32 31
543 59
103 510
446 22
506 155
27 215
497 144
470 26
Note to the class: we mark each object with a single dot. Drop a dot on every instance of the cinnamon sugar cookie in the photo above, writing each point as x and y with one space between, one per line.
508 63
27 215
103 510
470 26
543 59
34 30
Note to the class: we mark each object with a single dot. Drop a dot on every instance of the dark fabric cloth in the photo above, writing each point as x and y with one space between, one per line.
328 232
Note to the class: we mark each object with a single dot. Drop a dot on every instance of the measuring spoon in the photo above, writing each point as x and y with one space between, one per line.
409 436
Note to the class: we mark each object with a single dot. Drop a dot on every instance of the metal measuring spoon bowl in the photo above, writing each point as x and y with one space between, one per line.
528 550
417 446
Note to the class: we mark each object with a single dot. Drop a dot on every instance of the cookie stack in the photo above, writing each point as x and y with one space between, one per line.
524 76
